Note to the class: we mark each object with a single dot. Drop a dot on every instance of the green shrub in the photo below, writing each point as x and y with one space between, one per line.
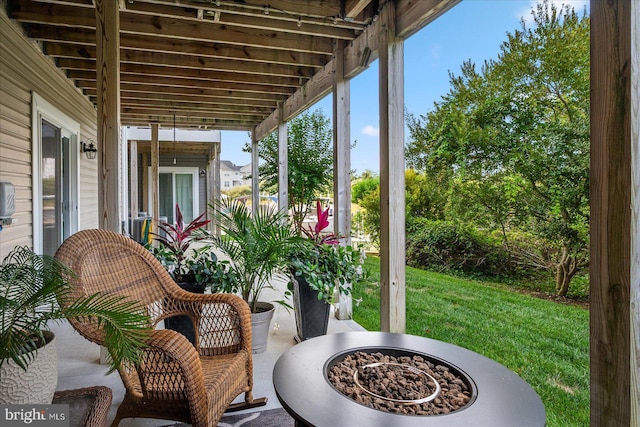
445 246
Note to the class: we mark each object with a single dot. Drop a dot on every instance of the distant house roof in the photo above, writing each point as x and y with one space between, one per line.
228 165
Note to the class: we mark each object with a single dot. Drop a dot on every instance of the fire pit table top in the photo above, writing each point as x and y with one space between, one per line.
301 384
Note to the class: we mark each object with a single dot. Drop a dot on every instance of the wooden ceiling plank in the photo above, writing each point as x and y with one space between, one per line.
409 12
183 122
131 59
131 23
310 8
171 105
194 94
353 8
193 114
223 16
81 43
137 97
177 85
148 71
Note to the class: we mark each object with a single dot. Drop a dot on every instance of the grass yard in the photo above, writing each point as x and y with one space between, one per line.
544 342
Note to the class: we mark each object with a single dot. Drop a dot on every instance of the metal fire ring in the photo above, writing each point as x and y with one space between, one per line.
410 368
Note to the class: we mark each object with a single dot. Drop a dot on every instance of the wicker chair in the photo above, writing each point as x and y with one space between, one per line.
175 380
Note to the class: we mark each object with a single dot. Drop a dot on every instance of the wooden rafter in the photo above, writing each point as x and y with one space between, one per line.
217 63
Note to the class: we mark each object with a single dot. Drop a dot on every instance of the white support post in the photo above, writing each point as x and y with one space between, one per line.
108 85
392 203
155 176
342 165
133 178
255 181
283 163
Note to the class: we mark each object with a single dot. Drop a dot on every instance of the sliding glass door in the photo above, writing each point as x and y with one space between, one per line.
177 185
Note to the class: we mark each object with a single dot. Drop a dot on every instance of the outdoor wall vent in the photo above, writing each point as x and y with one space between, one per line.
7 199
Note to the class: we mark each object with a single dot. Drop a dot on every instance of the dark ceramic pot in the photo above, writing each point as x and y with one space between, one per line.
312 314
184 324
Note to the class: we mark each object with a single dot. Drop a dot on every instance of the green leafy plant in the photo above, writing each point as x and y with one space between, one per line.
325 264
257 244
184 263
35 289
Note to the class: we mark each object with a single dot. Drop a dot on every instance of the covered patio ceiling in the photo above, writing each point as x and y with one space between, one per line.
218 64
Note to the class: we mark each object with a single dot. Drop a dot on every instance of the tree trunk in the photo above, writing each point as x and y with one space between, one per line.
565 270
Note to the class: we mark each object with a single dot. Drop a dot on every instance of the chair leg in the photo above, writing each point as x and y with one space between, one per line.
249 402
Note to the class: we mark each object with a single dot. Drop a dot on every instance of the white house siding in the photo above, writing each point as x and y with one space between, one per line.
23 70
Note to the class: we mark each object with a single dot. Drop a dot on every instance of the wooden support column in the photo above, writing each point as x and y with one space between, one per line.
615 213
283 163
216 180
255 178
342 164
133 178
210 183
392 218
108 85
155 176
635 213
145 182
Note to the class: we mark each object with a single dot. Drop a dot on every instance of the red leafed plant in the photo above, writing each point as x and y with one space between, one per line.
316 234
177 238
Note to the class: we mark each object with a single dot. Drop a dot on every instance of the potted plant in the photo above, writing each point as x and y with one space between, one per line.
319 268
36 289
193 269
257 244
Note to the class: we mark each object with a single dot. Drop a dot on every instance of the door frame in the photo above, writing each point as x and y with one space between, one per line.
193 170
42 109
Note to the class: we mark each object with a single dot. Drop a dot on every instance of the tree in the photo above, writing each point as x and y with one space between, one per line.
524 116
310 161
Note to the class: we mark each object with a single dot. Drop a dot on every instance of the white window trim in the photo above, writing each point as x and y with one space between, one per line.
195 171
42 109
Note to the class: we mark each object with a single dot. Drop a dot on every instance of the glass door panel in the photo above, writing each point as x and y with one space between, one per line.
51 175
184 195
165 182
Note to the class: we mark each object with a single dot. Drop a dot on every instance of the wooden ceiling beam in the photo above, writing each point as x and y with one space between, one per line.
81 43
28 11
411 16
231 17
182 147
170 85
166 120
353 8
191 114
195 94
138 97
135 58
149 71
210 107
308 8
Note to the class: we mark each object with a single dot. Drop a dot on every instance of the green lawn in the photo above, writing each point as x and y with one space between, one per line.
544 342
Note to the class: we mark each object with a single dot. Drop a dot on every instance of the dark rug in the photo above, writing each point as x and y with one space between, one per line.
270 418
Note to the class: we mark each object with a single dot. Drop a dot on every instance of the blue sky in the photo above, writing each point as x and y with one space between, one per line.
473 29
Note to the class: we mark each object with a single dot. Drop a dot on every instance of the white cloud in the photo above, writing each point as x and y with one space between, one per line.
371 130
577 5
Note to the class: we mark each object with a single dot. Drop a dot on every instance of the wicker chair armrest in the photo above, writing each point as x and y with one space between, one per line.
231 317
171 368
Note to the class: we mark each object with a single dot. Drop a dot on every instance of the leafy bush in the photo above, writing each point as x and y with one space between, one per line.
441 245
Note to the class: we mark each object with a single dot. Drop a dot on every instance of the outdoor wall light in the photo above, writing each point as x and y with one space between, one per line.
89 149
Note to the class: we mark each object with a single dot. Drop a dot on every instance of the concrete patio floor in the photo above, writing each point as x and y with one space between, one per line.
79 360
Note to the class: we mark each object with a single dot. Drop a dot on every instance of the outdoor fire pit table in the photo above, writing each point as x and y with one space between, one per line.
498 396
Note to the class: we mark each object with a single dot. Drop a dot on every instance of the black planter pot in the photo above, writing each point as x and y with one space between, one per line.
184 324
312 314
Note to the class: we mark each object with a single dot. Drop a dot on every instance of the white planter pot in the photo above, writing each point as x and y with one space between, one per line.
260 325
37 384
